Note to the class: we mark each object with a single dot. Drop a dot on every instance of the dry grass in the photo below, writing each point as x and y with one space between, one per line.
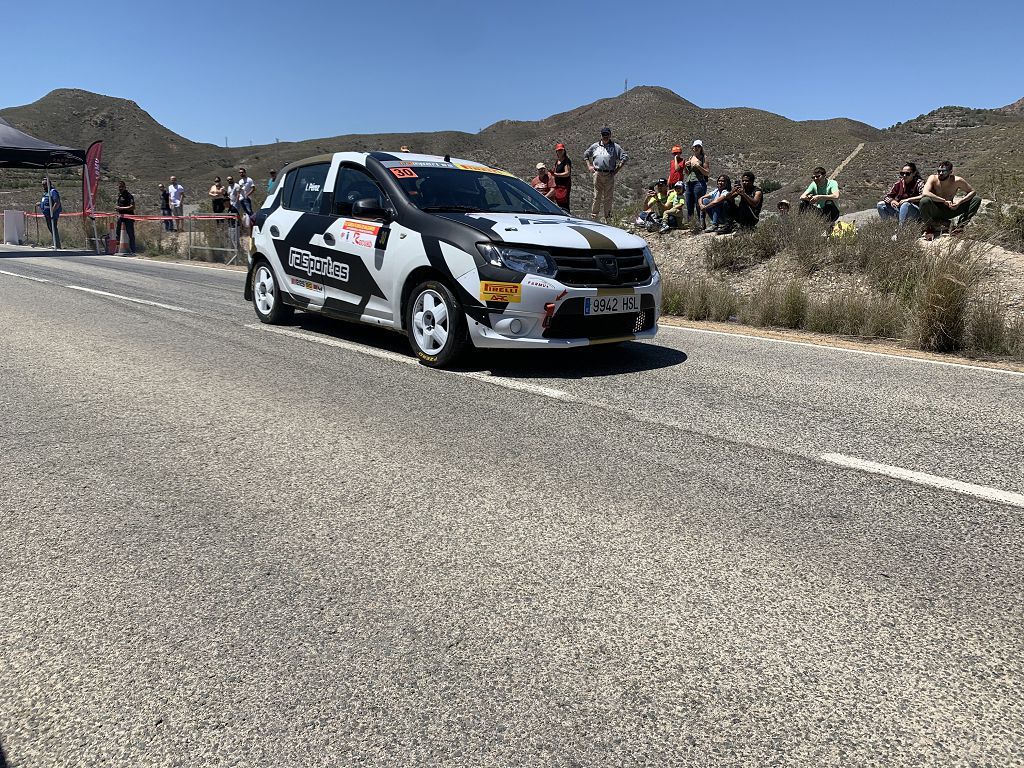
699 299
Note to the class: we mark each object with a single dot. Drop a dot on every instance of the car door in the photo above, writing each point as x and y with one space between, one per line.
296 229
361 244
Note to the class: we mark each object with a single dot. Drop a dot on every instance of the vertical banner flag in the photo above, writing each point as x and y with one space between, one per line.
91 177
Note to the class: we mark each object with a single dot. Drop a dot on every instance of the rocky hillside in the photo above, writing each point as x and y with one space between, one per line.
646 120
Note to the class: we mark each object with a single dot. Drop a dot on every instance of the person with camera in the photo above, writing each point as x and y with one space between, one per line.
747 200
655 200
675 206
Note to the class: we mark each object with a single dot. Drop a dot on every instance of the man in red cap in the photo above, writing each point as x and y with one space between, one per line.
676 167
563 177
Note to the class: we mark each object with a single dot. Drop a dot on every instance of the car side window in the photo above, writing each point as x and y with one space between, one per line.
354 184
307 191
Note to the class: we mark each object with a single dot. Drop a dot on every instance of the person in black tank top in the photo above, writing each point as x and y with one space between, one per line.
563 177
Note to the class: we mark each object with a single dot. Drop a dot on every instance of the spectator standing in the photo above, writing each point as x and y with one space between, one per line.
937 204
125 207
165 208
717 206
563 177
904 197
245 188
544 182
698 170
747 201
676 167
232 192
821 194
217 198
271 181
51 209
604 159
177 201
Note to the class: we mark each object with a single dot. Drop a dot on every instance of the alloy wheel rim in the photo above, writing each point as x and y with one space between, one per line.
264 290
431 322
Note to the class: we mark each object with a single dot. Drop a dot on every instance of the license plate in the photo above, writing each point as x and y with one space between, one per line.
611 305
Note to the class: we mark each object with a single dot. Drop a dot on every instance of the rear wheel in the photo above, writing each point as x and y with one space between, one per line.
436 324
266 296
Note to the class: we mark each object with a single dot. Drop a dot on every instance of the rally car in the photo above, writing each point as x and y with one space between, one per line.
450 252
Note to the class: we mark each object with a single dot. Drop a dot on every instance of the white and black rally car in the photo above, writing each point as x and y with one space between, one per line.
448 251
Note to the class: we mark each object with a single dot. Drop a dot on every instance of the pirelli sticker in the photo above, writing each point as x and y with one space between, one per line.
511 292
480 169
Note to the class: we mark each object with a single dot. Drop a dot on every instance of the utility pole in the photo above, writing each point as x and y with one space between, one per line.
625 85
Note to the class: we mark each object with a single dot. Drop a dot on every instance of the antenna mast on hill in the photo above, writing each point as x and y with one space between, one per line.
625 85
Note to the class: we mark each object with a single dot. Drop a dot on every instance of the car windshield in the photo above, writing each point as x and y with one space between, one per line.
440 189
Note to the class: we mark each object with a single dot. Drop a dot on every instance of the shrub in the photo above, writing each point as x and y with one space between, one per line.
770 185
775 304
746 249
948 278
699 299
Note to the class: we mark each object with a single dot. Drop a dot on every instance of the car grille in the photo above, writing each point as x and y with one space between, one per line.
570 322
581 267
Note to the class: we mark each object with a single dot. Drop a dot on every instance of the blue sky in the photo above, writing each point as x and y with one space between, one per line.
255 71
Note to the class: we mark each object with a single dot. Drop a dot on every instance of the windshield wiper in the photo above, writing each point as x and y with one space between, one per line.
455 208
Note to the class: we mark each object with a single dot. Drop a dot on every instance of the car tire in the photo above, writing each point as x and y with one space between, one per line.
267 297
436 324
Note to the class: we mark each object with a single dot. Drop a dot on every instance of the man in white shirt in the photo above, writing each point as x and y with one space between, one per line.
233 207
176 196
245 188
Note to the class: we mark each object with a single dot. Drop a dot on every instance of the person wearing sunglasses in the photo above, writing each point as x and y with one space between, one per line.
903 199
821 196
937 206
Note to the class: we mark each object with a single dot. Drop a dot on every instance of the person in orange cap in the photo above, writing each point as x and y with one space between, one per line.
676 167
563 177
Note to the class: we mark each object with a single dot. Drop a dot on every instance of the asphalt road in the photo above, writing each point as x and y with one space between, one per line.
224 545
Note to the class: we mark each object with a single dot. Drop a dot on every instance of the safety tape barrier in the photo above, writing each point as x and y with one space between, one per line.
139 218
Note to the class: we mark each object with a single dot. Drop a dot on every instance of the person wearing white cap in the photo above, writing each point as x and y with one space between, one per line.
698 169
544 182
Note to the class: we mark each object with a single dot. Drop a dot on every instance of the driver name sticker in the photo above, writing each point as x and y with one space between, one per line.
359 226
404 173
511 292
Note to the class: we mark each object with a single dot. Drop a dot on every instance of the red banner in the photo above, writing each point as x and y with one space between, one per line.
91 177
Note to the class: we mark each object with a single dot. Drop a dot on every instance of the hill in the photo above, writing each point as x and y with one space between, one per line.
646 120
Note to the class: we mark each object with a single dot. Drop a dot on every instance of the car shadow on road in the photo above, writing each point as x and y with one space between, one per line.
575 363
3 757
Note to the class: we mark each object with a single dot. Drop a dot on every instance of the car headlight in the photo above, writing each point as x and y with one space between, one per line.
649 258
519 259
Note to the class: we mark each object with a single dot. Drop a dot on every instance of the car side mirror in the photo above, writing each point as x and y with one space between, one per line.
370 208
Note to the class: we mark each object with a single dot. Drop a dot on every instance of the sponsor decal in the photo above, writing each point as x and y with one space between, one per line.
309 285
404 173
362 239
538 283
322 266
416 164
511 292
359 226
312 186
480 169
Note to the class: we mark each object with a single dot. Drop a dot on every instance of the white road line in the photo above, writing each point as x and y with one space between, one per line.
922 478
827 347
130 298
519 386
24 277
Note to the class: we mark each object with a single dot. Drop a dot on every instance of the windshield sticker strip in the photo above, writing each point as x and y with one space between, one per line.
416 164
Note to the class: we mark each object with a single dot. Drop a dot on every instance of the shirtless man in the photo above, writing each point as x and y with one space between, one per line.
937 204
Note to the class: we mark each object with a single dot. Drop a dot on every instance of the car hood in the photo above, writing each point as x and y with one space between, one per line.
548 231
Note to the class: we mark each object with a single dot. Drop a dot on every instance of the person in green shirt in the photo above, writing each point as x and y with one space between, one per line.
821 196
675 206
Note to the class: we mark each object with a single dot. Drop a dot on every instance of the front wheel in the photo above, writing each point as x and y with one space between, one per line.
436 324
266 296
